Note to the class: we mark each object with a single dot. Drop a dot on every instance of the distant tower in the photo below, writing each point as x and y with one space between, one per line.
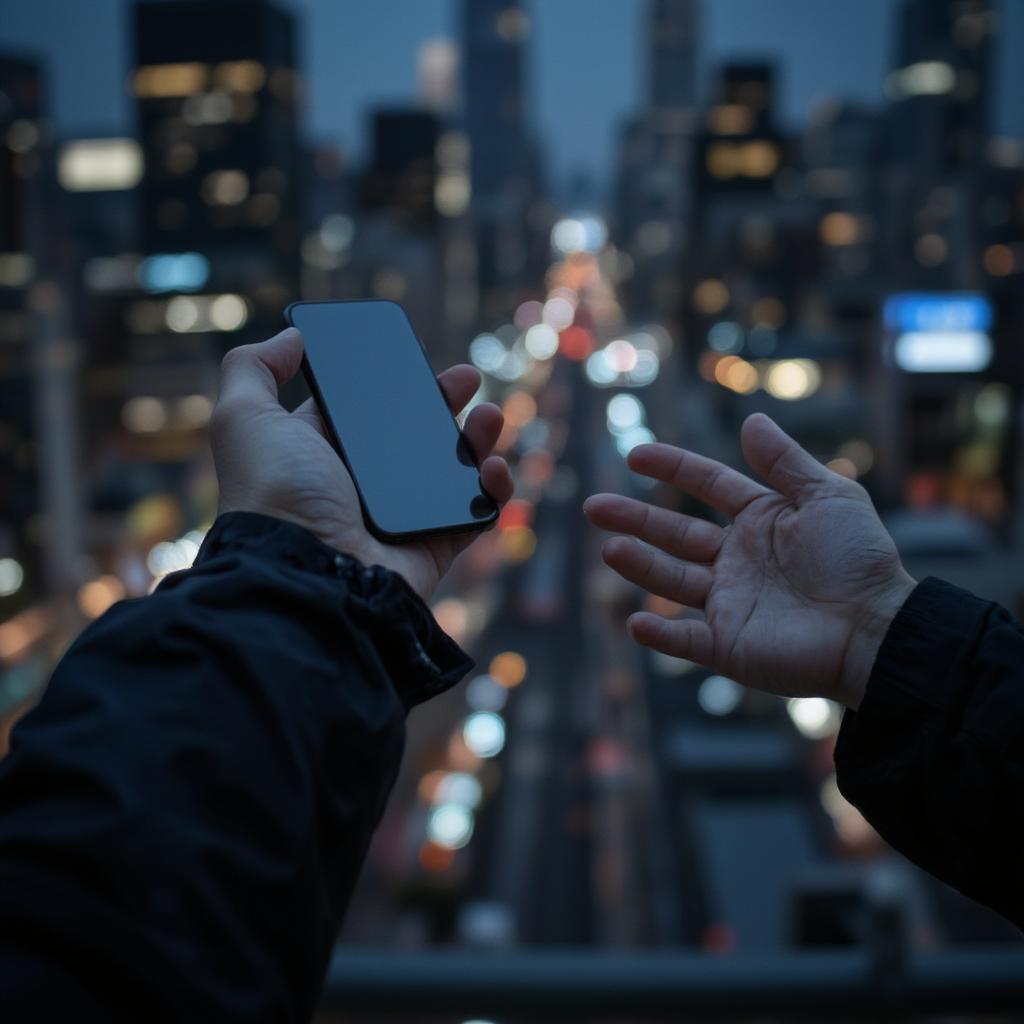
216 87
21 177
673 54
655 156
503 171
940 83
494 35
437 72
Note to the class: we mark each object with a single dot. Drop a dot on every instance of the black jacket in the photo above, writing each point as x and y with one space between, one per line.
934 757
183 816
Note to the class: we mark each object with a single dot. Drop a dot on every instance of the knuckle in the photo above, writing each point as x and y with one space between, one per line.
643 517
651 568
226 412
859 491
680 466
681 532
232 357
682 576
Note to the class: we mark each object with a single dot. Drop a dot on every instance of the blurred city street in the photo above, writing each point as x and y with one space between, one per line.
852 267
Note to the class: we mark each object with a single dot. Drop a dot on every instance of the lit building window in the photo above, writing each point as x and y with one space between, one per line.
16 269
730 119
193 314
225 188
180 158
22 136
453 150
839 229
793 379
240 75
998 260
100 165
931 250
452 193
711 296
144 415
769 312
756 159
926 78
760 159
207 108
157 81
513 25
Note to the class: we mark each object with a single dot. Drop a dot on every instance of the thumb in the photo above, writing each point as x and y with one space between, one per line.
255 372
773 454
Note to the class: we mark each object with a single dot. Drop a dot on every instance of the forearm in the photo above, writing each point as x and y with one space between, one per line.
187 809
934 757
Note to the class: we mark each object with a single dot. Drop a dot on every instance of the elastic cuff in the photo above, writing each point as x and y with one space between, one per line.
418 655
420 658
926 642
274 539
916 676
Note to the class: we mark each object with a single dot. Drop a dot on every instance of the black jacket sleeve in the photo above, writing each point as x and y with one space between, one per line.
934 757
184 814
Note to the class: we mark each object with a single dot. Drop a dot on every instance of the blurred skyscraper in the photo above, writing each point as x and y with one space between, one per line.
673 54
402 176
217 92
940 85
503 171
40 513
655 154
21 111
400 237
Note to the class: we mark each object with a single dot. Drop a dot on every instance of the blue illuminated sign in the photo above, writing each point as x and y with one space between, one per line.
938 313
174 272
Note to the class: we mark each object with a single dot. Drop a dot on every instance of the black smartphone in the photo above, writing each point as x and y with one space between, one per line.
386 415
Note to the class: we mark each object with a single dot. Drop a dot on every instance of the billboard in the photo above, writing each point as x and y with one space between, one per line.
935 332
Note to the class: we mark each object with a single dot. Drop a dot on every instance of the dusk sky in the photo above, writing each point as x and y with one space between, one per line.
586 71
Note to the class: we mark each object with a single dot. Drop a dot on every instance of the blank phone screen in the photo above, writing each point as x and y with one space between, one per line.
414 471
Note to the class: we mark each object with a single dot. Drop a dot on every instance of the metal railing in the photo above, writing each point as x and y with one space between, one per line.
577 985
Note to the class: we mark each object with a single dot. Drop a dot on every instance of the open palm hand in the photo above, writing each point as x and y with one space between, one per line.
797 592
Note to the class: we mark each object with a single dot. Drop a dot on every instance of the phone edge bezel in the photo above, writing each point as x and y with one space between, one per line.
386 536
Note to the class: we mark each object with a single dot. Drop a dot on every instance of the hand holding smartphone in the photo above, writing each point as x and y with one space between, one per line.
283 464
387 417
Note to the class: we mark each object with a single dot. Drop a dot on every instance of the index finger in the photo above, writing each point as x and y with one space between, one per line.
707 480
459 384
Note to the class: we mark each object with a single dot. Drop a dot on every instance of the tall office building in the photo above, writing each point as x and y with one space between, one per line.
655 154
503 173
494 36
940 82
938 126
672 27
740 149
217 93
402 176
944 195
21 109
400 238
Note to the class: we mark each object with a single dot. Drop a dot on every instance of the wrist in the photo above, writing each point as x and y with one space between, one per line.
344 545
877 611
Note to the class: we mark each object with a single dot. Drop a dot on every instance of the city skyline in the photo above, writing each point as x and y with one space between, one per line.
577 105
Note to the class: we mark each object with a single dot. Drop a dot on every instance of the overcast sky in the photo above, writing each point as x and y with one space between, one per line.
586 61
